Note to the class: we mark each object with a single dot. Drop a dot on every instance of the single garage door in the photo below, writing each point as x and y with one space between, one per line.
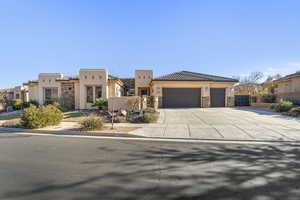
217 97
181 97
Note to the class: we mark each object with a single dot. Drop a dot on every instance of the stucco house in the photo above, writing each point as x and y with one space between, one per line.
288 86
179 89
18 92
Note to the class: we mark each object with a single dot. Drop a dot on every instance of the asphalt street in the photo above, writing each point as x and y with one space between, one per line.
49 167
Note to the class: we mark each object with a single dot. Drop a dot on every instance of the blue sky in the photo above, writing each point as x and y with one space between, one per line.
228 38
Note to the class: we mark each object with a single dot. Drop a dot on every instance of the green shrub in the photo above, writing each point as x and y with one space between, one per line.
52 115
101 103
283 106
17 104
270 98
294 100
149 117
91 123
34 117
27 104
294 112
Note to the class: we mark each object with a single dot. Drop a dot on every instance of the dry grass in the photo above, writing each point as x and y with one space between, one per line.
12 123
74 116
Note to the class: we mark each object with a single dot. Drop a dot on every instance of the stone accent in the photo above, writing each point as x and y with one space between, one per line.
205 102
160 102
230 101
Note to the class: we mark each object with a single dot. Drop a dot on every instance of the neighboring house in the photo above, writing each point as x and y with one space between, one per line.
83 89
288 86
19 92
180 89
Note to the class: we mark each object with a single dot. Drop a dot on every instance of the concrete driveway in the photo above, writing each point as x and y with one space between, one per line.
223 124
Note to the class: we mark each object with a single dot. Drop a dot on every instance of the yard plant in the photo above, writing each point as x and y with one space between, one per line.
34 117
283 106
92 122
294 100
101 103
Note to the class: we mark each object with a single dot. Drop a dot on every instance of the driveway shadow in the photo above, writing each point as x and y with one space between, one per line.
168 171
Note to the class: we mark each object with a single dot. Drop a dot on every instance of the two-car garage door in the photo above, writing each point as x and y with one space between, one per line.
181 97
191 97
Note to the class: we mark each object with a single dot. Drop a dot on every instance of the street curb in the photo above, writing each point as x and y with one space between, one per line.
75 134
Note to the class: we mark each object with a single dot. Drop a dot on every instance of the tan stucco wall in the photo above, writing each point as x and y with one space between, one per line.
114 88
48 80
143 78
77 95
92 77
33 92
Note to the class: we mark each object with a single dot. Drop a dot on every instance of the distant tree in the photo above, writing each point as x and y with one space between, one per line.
253 77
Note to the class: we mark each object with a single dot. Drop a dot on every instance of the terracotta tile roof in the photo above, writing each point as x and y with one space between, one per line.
193 76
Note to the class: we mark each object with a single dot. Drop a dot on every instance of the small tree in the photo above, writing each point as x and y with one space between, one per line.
101 103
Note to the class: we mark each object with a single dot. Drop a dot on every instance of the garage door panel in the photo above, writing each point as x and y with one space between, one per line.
181 97
217 97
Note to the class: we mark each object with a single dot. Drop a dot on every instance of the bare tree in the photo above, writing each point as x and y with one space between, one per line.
253 77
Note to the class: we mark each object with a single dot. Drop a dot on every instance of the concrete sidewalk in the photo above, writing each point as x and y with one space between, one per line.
223 124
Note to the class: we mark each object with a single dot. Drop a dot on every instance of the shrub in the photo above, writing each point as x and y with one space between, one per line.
101 103
294 112
17 104
51 114
91 123
294 100
149 117
27 104
270 98
34 117
283 106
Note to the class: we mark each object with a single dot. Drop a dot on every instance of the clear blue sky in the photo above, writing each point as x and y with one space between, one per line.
229 38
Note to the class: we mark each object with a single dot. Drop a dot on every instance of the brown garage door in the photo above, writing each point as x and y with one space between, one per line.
217 97
181 97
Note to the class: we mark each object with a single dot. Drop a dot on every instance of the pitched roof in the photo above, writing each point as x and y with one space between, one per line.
288 76
193 76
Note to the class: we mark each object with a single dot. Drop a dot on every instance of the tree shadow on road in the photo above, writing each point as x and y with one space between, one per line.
179 172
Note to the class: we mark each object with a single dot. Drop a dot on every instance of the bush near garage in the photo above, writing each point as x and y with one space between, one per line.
270 98
92 122
283 106
294 112
34 117
294 100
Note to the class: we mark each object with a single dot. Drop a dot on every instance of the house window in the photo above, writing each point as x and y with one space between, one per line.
100 77
51 93
17 96
89 94
93 77
98 91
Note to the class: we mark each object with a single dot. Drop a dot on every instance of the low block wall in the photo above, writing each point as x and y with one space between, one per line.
262 105
124 103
